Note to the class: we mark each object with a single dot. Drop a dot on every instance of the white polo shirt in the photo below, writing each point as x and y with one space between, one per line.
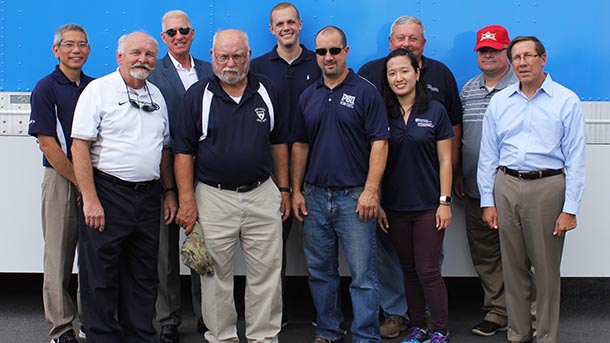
126 141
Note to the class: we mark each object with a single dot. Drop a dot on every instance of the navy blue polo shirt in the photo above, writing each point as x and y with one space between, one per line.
236 148
339 125
439 81
289 79
53 101
411 181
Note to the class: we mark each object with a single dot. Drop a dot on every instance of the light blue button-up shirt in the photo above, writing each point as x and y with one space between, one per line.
544 132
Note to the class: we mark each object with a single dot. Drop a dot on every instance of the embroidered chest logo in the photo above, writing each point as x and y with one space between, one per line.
260 113
488 35
348 100
421 122
431 88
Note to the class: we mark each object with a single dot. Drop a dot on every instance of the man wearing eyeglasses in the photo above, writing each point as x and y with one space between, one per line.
236 131
292 68
530 175
408 32
121 153
340 148
174 74
496 74
53 101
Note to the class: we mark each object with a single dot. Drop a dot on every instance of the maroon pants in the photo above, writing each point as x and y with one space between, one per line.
418 244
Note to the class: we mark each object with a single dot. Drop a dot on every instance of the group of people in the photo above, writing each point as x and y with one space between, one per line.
367 161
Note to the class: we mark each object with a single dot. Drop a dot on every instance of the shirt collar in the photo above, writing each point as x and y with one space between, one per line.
350 79
273 55
178 65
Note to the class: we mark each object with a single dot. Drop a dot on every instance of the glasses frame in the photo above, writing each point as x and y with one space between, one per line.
145 107
237 58
71 45
333 51
525 57
183 31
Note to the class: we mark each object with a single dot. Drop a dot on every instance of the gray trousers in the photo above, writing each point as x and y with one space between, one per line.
527 211
168 303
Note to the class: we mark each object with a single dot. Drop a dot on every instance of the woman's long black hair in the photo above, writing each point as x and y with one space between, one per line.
391 99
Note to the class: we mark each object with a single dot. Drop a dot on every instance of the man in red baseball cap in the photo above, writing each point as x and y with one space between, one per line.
491 42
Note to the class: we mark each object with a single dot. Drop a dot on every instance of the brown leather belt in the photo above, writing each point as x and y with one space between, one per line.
530 175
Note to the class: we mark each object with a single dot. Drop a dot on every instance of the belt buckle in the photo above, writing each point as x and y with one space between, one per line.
141 186
241 189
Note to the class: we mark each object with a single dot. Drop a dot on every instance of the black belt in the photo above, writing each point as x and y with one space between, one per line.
138 186
530 175
238 189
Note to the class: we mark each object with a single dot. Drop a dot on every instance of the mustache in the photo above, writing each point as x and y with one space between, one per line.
230 69
142 65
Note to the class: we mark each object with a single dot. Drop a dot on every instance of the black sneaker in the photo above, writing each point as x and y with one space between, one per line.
66 337
169 334
487 328
201 326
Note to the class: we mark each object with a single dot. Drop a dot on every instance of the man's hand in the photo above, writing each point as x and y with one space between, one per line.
299 209
458 187
490 216
565 222
382 220
285 205
94 214
368 205
187 215
170 207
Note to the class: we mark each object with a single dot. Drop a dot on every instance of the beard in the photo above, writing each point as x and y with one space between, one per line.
224 74
140 71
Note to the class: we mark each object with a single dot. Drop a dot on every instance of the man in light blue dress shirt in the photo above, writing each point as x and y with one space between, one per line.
531 178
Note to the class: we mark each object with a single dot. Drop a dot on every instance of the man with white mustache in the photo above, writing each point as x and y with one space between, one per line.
120 153
232 126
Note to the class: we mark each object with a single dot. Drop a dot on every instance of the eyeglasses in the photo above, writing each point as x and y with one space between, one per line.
333 51
145 106
527 58
71 45
183 31
224 59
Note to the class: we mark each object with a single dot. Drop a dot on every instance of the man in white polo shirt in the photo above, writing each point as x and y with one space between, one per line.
120 151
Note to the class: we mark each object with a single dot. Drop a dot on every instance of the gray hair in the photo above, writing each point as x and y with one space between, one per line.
405 20
242 33
174 14
123 41
59 34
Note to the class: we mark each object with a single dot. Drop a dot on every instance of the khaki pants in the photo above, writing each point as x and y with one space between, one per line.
60 231
253 220
527 211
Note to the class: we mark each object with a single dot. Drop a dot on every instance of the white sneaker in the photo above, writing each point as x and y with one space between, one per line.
81 333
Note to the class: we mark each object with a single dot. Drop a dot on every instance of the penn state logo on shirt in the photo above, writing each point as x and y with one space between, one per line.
422 122
260 113
348 100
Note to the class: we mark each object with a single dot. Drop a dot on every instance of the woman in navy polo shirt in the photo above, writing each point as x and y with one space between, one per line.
415 191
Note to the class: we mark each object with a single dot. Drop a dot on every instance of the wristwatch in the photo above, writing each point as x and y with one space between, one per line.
445 198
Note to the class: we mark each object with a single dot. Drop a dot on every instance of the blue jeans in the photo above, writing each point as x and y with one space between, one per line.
332 220
391 281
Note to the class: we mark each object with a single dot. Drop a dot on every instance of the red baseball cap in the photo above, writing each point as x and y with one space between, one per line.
494 36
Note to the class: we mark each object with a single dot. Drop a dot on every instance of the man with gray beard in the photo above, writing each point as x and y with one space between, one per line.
231 125
122 164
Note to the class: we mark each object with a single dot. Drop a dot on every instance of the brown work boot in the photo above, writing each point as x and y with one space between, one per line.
392 326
